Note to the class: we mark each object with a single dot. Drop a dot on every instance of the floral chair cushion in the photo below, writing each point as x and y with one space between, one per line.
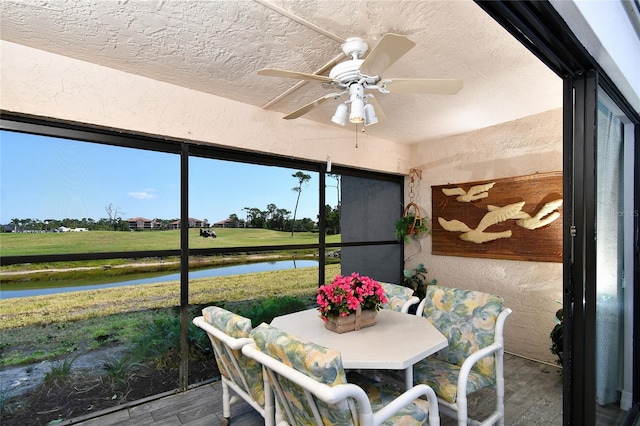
325 366
321 364
397 296
443 378
468 319
229 323
237 327
380 394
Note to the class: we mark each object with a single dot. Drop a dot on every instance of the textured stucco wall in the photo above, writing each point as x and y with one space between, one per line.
41 83
526 146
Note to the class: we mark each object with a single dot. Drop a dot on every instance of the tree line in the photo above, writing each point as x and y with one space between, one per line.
273 218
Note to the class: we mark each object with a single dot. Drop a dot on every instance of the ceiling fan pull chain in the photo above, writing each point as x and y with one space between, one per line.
356 135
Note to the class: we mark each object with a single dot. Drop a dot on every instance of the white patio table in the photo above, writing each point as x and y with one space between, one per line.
395 342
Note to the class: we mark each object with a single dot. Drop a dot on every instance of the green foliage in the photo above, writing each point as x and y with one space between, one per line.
159 343
267 309
60 370
416 279
121 369
557 337
332 219
406 222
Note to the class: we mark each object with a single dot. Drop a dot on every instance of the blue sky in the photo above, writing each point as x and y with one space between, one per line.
49 178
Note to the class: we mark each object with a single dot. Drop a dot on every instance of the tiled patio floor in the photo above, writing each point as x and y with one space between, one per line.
533 396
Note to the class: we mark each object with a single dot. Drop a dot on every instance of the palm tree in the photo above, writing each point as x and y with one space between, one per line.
302 178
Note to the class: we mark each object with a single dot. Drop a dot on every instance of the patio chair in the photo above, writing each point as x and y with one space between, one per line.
473 322
228 333
399 298
311 388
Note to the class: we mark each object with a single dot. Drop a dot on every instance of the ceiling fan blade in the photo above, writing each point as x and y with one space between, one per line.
376 106
273 72
417 85
311 105
388 50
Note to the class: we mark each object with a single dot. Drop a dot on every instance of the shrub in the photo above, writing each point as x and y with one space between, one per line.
159 344
557 337
60 370
267 309
120 370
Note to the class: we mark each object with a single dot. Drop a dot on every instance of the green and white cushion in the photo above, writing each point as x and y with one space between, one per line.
321 364
325 366
237 327
396 295
380 395
468 319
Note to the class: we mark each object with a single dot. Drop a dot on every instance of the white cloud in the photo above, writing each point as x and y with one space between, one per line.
142 195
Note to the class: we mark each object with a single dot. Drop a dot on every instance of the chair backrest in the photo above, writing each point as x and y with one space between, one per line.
298 399
397 297
233 333
468 319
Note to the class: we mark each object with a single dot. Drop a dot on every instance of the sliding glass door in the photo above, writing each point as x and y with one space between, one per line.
614 263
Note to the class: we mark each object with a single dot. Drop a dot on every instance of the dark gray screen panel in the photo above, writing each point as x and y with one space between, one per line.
369 211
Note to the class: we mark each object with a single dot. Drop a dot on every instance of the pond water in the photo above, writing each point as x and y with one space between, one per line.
41 288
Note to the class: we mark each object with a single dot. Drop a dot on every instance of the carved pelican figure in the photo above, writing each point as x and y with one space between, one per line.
544 217
479 235
475 192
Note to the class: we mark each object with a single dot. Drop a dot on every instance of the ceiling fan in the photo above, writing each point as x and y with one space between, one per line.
356 75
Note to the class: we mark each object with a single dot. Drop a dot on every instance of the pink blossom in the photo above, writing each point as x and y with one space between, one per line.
346 293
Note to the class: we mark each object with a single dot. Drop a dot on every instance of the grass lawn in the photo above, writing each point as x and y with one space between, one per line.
112 241
41 327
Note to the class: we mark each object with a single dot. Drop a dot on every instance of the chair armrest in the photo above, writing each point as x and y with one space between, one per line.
334 394
328 394
409 303
472 359
231 342
407 398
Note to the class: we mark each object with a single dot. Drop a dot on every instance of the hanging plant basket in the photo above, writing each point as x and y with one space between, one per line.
411 223
414 225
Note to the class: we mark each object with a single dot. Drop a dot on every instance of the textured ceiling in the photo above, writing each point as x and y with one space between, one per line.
217 46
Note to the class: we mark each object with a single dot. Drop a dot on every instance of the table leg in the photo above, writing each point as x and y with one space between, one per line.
408 377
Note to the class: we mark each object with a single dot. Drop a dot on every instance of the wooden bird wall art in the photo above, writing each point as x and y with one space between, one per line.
518 218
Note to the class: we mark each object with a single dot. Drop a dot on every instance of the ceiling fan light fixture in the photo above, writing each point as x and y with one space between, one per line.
340 117
357 111
356 99
370 115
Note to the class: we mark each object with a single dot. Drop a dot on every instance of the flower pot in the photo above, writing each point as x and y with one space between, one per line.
351 322
413 228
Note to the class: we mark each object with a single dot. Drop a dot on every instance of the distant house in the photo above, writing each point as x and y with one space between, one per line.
192 223
141 223
228 223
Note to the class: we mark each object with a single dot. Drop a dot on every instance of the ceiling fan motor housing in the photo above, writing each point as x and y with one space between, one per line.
346 72
355 47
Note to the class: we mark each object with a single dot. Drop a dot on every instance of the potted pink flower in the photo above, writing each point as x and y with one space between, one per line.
350 301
